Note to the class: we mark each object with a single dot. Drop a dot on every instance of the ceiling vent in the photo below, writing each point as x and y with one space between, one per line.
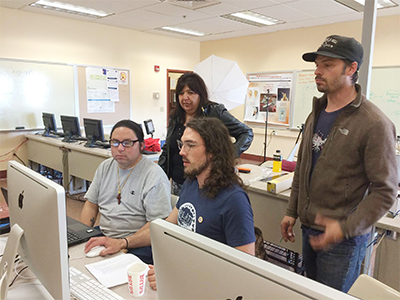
192 4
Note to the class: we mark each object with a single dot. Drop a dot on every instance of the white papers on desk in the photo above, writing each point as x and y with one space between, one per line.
112 271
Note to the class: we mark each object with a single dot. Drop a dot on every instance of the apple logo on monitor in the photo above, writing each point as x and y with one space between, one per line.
21 200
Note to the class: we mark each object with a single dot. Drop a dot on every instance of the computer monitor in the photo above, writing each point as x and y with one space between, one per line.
191 266
149 127
93 131
37 208
71 128
49 122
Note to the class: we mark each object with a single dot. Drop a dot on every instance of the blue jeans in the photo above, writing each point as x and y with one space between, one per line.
144 253
338 267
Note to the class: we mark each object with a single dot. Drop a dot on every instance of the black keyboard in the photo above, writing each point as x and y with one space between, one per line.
104 145
72 237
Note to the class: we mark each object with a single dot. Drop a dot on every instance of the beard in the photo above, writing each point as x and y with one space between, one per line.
191 173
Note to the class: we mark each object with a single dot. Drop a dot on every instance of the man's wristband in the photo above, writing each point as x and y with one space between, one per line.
126 240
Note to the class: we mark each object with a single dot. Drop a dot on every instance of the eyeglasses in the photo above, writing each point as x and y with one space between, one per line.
125 143
187 146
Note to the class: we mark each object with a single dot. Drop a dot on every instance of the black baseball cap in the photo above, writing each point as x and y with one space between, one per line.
337 46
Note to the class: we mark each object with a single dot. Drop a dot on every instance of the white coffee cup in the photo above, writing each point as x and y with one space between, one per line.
137 272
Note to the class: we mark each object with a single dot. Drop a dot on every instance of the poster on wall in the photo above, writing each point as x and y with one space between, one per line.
268 96
98 84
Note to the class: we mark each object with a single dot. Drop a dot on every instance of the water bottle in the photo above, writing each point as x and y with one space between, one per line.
162 140
277 164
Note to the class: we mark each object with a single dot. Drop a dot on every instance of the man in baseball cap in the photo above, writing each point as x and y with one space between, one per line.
337 46
346 177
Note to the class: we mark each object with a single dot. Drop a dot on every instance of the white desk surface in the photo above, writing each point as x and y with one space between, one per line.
253 183
389 223
32 287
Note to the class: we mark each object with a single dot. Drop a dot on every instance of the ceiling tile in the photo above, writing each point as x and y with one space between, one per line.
147 15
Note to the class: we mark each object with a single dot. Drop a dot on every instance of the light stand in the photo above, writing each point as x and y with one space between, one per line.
296 144
267 105
265 136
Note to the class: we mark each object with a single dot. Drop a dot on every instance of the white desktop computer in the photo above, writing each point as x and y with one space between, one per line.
192 266
39 230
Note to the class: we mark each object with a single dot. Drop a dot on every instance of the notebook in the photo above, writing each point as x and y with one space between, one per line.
77 232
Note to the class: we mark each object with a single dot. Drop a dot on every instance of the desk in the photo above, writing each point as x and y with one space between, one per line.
72 159
387 258
269 209
46 151
33 288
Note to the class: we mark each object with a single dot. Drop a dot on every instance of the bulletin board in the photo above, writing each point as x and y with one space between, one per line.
269 98
121 108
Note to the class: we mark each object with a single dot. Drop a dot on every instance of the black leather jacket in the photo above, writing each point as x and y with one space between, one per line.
241 132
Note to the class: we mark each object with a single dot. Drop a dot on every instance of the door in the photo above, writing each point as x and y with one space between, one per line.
172 78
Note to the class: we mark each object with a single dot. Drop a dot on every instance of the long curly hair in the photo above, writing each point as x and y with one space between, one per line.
197 85
218 143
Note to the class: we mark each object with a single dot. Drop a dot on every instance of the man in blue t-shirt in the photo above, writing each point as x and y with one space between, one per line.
212 201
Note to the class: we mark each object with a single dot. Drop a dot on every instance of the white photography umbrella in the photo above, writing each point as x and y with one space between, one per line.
224 79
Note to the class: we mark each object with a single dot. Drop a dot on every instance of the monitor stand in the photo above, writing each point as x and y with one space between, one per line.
7 262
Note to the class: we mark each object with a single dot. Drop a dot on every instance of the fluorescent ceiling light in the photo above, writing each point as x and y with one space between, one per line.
183 30
358 5
252 18
69 8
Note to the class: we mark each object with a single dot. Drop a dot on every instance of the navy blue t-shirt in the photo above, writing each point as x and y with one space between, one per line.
321 132
228 218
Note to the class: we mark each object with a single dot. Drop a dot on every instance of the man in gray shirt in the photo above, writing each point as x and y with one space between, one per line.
128 190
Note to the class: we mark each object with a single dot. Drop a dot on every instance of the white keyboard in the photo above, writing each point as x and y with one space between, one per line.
83 287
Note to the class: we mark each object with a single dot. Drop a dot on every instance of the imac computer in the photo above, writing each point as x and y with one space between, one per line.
39 230
94 132
149 125
72 131
49 122
191 266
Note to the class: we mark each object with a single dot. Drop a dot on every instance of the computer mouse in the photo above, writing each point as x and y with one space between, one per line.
95 251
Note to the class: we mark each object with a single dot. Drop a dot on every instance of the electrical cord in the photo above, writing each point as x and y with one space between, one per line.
377 241
18 275
395 214
9 155
15 154
270 140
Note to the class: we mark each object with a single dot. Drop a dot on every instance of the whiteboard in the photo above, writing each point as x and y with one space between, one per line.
384 92
29 88
305 90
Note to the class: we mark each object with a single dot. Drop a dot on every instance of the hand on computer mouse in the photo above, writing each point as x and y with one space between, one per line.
95 251
112 245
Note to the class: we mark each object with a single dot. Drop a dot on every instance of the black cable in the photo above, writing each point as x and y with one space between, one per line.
15 154
16 276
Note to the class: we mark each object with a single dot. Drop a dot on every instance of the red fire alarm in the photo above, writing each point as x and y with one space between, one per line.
156 68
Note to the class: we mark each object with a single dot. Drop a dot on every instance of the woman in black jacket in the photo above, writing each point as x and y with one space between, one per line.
191 102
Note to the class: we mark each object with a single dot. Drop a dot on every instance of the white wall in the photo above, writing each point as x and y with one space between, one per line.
281 51
31 36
